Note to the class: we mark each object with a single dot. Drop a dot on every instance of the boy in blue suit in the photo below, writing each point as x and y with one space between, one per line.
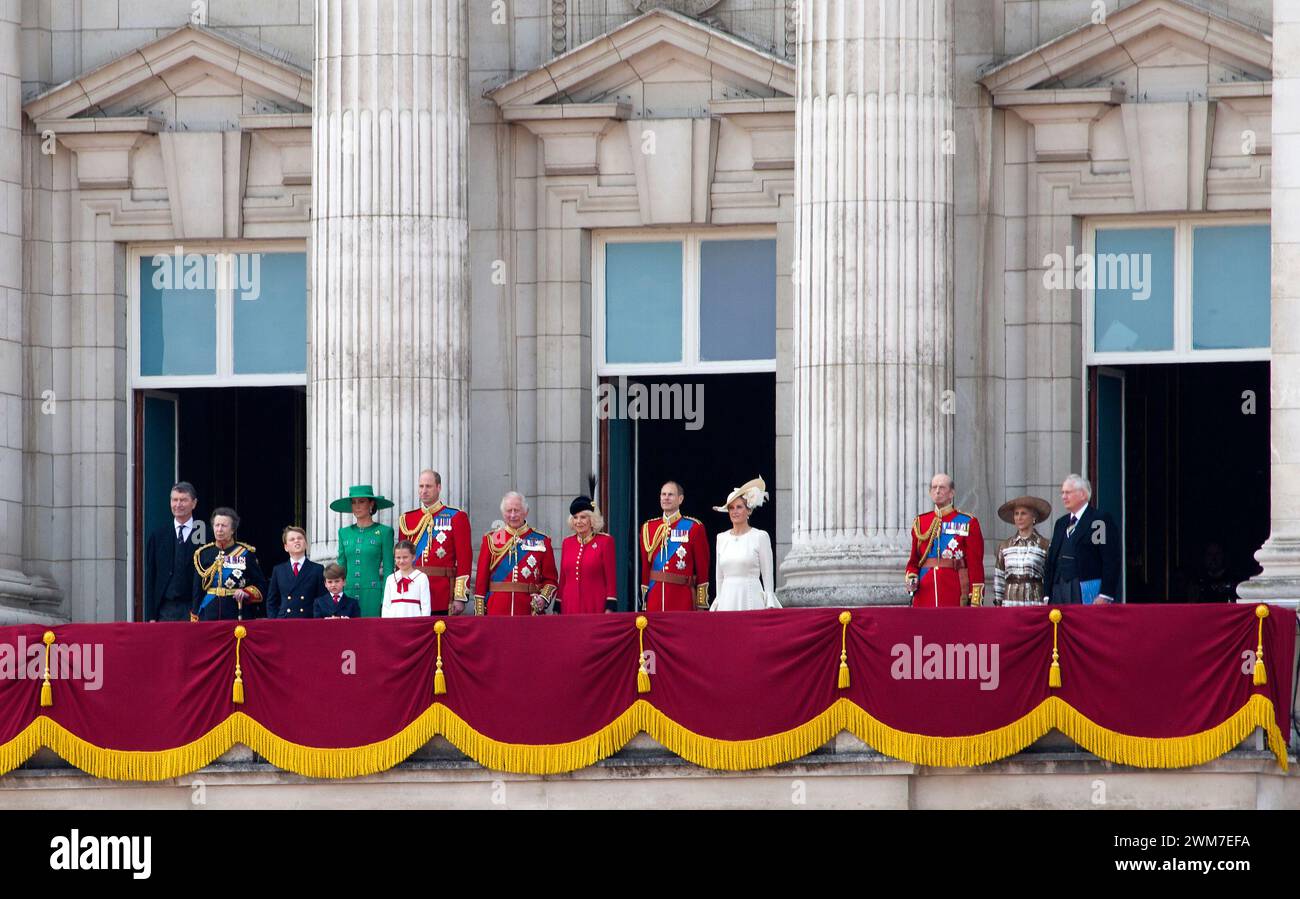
294 584
334 603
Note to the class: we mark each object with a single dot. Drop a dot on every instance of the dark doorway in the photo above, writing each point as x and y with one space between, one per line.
1195 475
243 447
735 441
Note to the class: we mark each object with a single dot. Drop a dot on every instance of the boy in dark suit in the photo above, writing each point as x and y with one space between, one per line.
294 584
333 603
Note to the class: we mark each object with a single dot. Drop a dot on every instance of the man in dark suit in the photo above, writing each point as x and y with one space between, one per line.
169 559
295 584
1084 557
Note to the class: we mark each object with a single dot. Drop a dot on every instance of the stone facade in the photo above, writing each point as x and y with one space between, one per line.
127 126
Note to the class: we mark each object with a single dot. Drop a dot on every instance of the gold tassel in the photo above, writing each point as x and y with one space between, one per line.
642 673
439 679
844 650
47 692
238 695
1261 676
1054 677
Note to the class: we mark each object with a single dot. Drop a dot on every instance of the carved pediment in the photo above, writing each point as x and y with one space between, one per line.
191 63
1164 91
657 60
1154 50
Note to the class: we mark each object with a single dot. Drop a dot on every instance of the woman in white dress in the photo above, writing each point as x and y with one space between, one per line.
744 555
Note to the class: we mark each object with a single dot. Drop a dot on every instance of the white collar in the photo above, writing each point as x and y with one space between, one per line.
1079 515
299 560
187 523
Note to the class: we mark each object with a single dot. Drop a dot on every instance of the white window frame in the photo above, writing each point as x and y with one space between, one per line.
1182 350
690 238
225 375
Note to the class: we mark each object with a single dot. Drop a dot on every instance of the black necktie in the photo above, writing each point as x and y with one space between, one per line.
1074 519
180 533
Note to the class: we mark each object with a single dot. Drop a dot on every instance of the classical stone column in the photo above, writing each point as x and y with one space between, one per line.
388 377
11 292
23 599
873 291
1280 555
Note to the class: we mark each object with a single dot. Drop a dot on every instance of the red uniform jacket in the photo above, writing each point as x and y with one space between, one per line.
587 574
512 567
674 564
947 559
441 536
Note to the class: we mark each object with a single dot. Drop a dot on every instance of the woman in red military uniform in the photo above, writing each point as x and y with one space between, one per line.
587 571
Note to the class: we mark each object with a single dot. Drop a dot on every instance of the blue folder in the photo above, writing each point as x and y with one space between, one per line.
1089 591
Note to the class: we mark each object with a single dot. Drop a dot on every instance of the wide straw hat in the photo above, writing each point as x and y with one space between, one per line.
1041 507
754 492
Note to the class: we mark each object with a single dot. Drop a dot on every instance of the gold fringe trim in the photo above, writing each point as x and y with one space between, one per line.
1054 712
708 752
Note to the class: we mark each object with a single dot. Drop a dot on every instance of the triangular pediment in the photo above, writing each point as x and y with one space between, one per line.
191 63
662 48
1164 37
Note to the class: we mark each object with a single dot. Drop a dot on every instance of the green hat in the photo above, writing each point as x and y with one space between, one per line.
360 491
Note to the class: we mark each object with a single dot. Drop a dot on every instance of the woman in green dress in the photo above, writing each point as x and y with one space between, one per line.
365 547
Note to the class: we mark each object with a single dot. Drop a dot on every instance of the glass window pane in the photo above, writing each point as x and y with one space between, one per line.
270 299
1230 286
1133 272
643 302
178 315
737 299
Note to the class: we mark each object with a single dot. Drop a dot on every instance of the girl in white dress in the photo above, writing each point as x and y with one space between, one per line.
744 555
406 591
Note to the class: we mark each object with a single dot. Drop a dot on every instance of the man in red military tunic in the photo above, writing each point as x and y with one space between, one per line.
946 567
674 557
516 566
441 536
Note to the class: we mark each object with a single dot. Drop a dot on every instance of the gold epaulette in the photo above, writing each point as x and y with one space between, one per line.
195 558
248 546
696 520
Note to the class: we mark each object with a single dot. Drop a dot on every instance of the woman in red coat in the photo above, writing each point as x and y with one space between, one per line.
587 569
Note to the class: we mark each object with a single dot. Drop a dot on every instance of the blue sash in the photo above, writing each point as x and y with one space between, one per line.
666 556
227 572
533 543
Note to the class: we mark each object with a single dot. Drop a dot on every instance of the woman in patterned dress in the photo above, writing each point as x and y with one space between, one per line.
1018 565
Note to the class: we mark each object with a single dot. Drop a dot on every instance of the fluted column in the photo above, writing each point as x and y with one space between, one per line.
11 295
873 291
388 378
1280 555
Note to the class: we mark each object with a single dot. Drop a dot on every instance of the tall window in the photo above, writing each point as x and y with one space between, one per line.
1175 290
693 301
219 315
